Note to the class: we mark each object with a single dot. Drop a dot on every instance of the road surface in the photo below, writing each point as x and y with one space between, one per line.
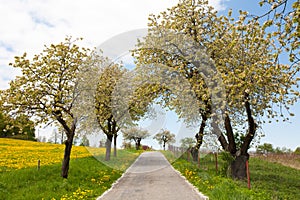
151 177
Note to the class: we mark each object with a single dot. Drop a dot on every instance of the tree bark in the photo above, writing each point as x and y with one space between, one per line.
231 141
115 145
70 132
108 147
138 143
67 154
199 138
252 126
238 167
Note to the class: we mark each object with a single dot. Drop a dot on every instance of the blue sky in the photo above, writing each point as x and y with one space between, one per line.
27 25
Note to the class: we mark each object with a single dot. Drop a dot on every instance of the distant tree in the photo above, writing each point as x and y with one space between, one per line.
85 141
21 127
102 142
43 139
136 134
265 148
126 144
297 151
54 137
286 150
187 143
165 137
278 150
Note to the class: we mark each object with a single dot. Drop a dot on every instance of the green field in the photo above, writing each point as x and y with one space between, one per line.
268 180
88 177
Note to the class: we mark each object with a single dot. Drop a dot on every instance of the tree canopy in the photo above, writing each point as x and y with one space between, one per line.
136 134
48 89
232 68
165 137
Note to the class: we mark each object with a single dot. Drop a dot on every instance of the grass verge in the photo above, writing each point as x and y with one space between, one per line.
88 178
268 180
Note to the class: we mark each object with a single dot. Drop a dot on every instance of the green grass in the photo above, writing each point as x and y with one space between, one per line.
268 180
88 179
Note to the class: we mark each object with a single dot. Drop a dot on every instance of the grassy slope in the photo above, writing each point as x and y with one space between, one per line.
88 177
268 180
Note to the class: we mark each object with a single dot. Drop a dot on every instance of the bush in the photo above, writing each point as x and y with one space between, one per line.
226 167
297 151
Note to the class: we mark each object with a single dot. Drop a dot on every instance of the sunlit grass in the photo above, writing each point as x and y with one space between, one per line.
268 180
18 154
88 177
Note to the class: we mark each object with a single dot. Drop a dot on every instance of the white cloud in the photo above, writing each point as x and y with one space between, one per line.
27 25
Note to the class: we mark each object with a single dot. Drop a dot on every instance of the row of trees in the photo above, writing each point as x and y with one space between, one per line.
267 148
215 71
74 88
137 134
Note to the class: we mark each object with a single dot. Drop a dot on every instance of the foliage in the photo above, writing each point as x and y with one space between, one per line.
117 102
106 118
282 16
136 134
265 148
297 151
21 127
165 137
48 88
85 141
187 142
228 159
107 82
245 72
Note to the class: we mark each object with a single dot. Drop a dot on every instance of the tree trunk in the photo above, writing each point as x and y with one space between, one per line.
115 145
199 138
66 160
229 131
195 152
138 144
108 147
70 132
238 167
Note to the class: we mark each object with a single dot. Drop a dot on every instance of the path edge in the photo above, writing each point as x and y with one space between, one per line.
118 180
191 185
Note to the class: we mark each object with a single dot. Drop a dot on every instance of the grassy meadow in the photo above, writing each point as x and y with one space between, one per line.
89 176
269 180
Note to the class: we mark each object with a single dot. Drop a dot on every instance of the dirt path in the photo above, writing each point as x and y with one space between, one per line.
151 177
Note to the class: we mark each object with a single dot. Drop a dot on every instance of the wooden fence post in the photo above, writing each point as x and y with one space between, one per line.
39 164
248 174
216 157
198 159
